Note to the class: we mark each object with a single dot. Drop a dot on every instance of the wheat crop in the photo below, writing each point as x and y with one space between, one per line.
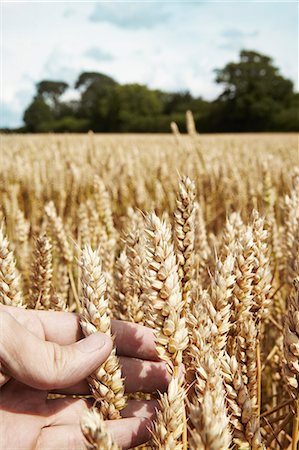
194 236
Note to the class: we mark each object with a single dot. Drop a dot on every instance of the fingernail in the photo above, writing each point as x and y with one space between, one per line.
92 343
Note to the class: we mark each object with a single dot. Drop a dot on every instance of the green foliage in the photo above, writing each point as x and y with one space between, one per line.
86 79
67 124
135 103
254 92
96 91
37 114
52 89
255 97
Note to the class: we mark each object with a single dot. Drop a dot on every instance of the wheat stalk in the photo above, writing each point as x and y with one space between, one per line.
291 354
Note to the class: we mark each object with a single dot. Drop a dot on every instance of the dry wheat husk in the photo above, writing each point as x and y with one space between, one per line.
162 293
41 273
95 432
106 383
168 426
59 233
208 413
184 234
10 286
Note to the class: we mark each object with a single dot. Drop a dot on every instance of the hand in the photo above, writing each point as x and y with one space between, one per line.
43 352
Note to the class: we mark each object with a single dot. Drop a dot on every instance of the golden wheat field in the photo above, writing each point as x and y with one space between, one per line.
194 236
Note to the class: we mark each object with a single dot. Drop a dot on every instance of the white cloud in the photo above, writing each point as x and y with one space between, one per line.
171 46
130 15
97 54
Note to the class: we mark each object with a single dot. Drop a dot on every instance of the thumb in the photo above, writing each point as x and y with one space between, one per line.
47 365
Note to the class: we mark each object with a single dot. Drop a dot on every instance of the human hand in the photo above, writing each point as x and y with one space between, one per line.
40 354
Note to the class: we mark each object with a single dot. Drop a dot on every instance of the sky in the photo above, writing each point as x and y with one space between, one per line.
170 45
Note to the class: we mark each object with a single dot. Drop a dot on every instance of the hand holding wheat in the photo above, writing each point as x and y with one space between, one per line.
42 353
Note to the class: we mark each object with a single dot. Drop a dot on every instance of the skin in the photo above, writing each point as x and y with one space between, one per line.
41 353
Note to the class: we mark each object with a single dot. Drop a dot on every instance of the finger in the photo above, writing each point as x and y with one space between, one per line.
134 340
69 411
139 376
144 376
126 433
46 365
64 437
130 432
60 327
141 408
64 328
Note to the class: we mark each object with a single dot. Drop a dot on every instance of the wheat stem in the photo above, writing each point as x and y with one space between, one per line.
259 377
295 435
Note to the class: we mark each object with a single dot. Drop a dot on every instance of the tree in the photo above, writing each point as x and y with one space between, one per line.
177 102
133 106
253 92
37 115
96 89
51 90
255 97
86 79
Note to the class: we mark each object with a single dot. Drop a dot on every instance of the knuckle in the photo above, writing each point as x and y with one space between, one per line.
34 325
57 365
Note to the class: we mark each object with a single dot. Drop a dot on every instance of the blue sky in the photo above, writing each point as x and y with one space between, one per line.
167 45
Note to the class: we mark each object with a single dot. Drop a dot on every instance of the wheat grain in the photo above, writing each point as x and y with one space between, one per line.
106 383
95 432
41 273
10 290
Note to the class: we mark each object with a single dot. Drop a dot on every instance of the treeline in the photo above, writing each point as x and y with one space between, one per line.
255 97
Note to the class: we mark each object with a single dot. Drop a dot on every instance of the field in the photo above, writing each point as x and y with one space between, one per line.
194 236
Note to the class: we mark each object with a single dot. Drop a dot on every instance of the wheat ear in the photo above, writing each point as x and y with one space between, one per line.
261 283
10 289
184 234
59 233
121 294
244 263
95 432
242 417
162 293
208 415
41 273
219 306
233 230
22 228
103 206
190 124
169 424
135 249
106 383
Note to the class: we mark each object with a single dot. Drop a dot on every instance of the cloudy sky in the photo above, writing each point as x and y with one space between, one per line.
172 45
